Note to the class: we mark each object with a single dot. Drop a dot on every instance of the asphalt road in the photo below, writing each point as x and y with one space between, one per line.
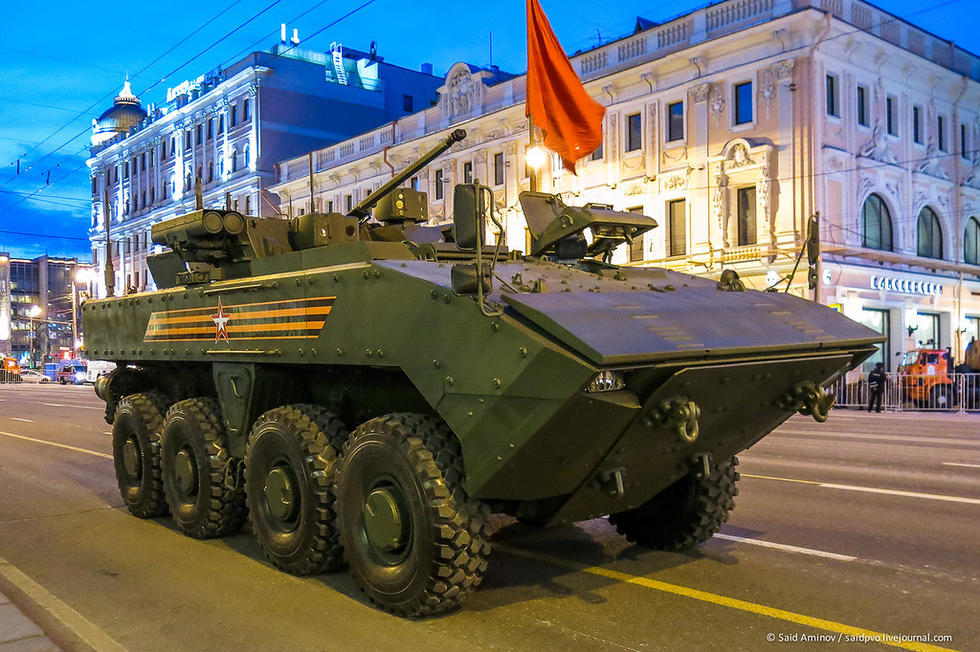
864 525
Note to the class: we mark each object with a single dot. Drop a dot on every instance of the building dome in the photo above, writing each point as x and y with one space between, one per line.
125 112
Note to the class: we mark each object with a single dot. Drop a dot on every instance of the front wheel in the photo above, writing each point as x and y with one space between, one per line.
136 453
416 544
685 514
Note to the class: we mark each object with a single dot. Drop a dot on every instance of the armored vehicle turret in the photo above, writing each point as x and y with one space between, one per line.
367 389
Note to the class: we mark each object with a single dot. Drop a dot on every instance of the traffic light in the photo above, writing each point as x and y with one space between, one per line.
813 249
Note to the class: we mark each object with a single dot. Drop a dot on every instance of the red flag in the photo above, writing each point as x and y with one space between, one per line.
556 99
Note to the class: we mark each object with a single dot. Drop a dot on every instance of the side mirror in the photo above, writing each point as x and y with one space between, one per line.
468 216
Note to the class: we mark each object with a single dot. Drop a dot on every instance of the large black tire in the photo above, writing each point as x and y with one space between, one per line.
201 480
136 453
685 514
432 553
290 462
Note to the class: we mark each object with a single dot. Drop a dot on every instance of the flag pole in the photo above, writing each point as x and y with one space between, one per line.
532 172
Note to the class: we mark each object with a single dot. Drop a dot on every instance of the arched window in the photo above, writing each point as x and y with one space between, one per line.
234 160
247 155
971 242
930 234
876 224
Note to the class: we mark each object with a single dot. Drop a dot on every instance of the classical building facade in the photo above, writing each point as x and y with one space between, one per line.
731 126
228 128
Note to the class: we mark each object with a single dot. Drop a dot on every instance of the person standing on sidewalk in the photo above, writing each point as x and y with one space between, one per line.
876 387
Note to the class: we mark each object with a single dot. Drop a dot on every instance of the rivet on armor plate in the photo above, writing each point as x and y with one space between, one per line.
446 299
313 351
434 294
365 274
381 353
377 273
494 326
435 364
368 352
523 351
299 352
187 351
495 382
340 353
336 278
312 280
449 380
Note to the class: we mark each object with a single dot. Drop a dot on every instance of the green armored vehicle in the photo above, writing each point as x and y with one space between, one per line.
369 390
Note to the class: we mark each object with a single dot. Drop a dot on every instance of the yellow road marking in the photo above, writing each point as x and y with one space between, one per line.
725 601
51 443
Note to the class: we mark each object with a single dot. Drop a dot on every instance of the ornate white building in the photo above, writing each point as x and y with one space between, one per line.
228 128
731 126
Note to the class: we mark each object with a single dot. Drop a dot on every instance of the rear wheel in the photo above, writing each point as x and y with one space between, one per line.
136 453
289 468
686 513
200 479
416 544
941 396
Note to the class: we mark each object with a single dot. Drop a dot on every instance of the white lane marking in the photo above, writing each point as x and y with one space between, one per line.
873 490
84 407
786 548
20 419
78 624
51 443
908 494
969 466
899 438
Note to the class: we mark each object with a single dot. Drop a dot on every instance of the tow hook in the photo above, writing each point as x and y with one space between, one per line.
809 399
679 415
702 460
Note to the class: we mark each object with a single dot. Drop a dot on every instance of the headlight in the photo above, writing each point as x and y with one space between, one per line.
606 381
80 376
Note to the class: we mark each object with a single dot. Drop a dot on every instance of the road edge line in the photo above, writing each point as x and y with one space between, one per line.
59 622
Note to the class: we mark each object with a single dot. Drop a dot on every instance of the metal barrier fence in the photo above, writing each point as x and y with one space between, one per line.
945 392
8 377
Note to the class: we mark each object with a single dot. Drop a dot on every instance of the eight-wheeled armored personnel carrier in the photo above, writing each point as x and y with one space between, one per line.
368 389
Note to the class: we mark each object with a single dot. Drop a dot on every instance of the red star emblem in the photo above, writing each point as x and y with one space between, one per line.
220 323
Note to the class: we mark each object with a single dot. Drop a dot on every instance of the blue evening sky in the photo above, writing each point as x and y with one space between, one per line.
64 61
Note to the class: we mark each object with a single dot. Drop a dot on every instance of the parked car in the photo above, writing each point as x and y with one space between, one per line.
71 372
33 376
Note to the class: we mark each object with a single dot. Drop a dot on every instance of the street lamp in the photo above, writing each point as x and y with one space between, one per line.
33 312
536 157
82 277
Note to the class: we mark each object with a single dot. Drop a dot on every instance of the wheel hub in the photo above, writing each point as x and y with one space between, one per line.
280 494
131 458
186 471
384 524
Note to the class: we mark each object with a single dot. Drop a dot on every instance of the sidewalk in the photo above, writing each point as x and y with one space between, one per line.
18 633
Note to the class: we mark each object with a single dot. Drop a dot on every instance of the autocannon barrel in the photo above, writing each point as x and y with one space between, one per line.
362 208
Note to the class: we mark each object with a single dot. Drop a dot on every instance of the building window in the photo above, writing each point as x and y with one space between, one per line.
199 128
971 242
930 234
245 110
964 146
407 104
153 193
634 132
95 185
126 170
187 140
248 204
677 228
876 224
163 151
891 121
743 103
187 185
234 116
941 133
745 204
675 121
143 199
596 153
247 156
917 124
468 172
330 206
210 171
143 162
862 105
349 201
833 101
414 183
498 169
438 182
210 128
234 160
200 174
221 123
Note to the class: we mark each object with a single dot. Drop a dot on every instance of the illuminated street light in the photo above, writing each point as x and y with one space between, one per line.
84 276
34 311
536 157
